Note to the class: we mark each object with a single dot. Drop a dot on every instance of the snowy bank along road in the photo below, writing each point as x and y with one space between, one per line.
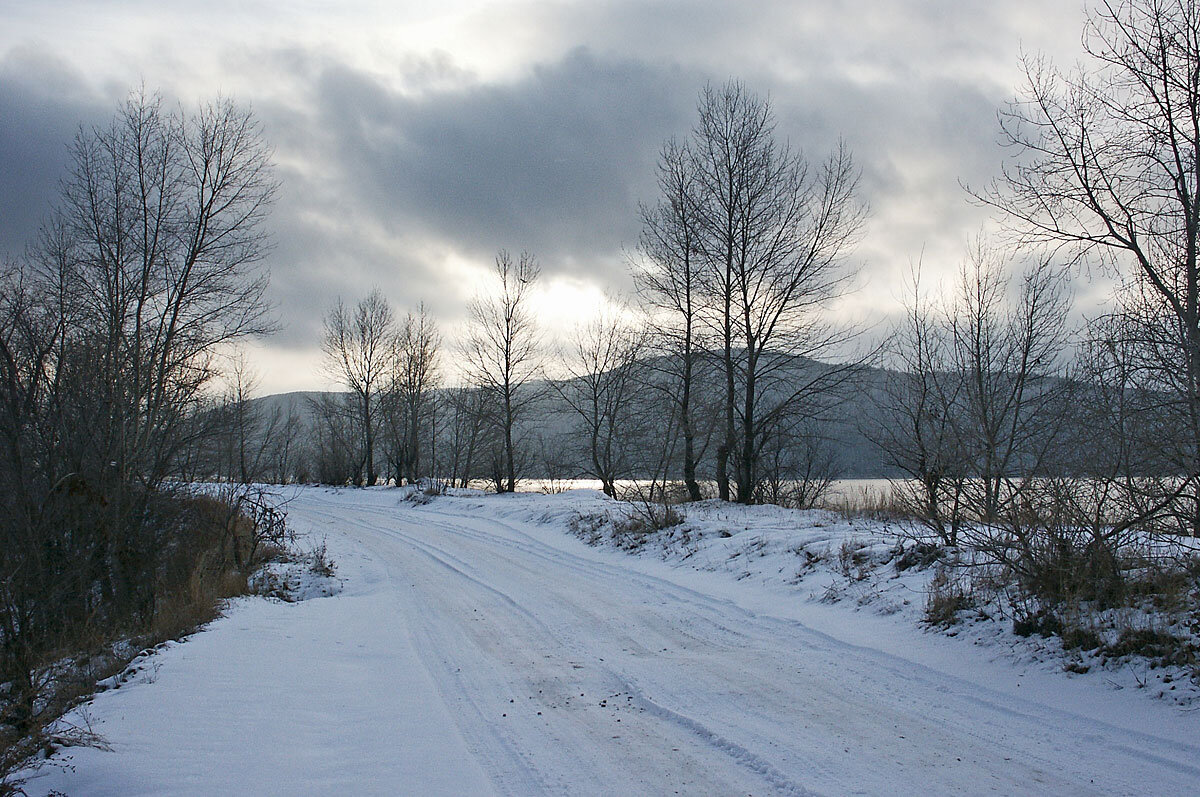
477 648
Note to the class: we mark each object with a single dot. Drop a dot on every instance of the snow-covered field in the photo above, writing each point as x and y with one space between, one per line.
479 646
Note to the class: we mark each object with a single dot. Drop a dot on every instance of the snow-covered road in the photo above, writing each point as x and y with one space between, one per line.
475 650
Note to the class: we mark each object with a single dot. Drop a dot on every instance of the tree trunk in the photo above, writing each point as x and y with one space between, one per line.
510 462
685 416
369 435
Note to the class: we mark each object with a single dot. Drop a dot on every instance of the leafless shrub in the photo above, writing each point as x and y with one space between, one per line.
589 527
320 563
945 598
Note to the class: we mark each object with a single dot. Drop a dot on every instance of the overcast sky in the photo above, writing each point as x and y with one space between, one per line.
414 139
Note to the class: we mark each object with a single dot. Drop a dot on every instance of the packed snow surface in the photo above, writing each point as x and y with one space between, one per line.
478 647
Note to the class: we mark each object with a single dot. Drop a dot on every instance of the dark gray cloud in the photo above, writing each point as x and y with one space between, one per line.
404 165
554 162
557 161
43 102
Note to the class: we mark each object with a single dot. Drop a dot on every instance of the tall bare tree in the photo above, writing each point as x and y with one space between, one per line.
774 232
108 338
157 237
669 282
1105 167
155 247
465 410
239 438
915 424
358 346
502 354
1009 356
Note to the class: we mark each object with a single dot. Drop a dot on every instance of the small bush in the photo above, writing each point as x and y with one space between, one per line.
946 598
631 533
1166 588
320 563
418 497
1042 623
1075 638
854 562
1161 647
1063 570
587 527
919 555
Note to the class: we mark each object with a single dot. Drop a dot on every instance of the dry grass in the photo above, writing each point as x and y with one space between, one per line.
947 596
866 502
198 571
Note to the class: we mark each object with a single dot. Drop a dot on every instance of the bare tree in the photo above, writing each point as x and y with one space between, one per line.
600 388
407 401
799 465
1104 166
237 439
774 231
337 453
155 247
502 356
1009 357
159 229
466 428
669 282
357 349
915 424
282 434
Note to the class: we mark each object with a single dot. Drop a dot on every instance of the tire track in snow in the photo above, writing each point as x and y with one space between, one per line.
689 600
1033 713
741 755
737 754
925 687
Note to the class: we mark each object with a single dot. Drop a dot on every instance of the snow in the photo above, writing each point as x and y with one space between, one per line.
477 646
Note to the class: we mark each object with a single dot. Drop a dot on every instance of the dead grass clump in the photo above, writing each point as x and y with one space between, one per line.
946 598
919 555
1160 647
867 503
320 563
588 526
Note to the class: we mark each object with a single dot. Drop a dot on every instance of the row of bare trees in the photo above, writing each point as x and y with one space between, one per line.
1069 458
391 374
394 393
719 378
978 406
111 331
